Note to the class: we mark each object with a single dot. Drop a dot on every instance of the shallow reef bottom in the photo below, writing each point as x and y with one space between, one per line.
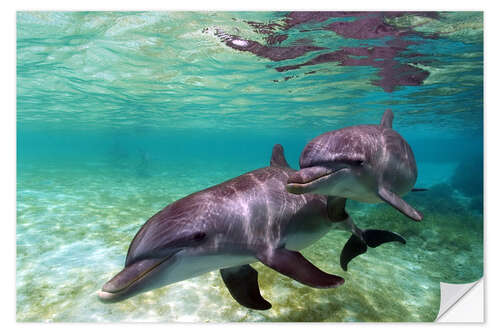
75 222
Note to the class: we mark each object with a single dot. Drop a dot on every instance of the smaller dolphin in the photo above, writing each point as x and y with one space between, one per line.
367 163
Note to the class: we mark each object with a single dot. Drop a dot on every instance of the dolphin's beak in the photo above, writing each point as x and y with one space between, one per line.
307 179
123 284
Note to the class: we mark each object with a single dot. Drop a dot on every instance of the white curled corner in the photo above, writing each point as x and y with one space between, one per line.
461 302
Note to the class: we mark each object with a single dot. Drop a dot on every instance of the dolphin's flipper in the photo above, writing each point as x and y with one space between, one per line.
398 203
353 248
387 119
418 189
242 283
295 266
372 238
278 157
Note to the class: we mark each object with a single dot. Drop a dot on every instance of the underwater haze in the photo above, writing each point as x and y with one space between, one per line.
121 113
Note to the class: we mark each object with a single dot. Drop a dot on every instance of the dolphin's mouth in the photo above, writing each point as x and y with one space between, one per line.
305 179
127 278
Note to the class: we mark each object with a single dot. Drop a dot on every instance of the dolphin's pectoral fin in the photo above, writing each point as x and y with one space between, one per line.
398 203
295 266
374 237
353 248
278 157
242 283
417 189
387 119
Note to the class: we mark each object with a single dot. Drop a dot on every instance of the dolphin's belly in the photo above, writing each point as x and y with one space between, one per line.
306 234
298 242
188 265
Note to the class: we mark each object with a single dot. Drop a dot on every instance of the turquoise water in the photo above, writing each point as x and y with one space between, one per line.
120 114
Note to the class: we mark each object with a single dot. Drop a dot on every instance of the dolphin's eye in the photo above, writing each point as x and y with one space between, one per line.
199 236
352 162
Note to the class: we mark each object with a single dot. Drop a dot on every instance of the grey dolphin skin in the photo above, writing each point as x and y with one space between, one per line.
367 163
246 219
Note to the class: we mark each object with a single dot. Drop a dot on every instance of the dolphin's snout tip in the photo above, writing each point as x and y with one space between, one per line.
295 178
308 179
295 183
105 296
110 292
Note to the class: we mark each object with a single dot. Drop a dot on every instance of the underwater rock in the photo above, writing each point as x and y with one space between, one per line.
468 179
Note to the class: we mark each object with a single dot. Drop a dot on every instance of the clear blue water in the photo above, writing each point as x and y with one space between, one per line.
120 114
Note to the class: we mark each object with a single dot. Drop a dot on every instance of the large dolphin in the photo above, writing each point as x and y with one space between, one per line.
367 163
246 219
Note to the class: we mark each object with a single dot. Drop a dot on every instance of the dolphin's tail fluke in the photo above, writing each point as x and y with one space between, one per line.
370 237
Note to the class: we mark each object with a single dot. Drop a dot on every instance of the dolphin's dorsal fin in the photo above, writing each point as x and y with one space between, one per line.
395 201
387 119
278 157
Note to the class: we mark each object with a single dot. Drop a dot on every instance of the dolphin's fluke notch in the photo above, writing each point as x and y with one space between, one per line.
387 119
278 157
372 238
398 203
242 283
296 266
